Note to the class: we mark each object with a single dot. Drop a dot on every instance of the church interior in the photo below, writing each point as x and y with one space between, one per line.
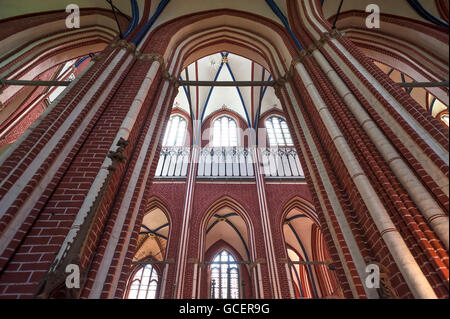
187 149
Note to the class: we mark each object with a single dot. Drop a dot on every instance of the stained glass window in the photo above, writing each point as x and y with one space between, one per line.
144 283
175 132
225 132
278 132
224 277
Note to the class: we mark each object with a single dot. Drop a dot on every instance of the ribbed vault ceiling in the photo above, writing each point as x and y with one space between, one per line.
176 8
398 7
21 7
246 102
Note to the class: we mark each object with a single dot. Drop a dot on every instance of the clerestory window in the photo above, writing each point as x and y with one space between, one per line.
278 132
224 132
175 131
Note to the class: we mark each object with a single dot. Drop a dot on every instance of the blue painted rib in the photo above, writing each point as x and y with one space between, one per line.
240 94
208 98
260 103
211 89
135 18
187 94
81 61
240 236
298 280
415 4
150 22
133 23
296 275
308 267
265 88
284 21
295 217
407 90
233 226
433 102
402 76
161 227
154 232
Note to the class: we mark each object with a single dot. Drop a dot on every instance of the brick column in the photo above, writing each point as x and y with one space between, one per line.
390 159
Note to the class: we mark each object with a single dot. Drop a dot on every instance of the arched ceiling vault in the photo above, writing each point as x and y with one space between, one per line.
425 45
246 102
177 8
263 36
29 50
252 31
398 7
21 7
230 227
259 50
153 236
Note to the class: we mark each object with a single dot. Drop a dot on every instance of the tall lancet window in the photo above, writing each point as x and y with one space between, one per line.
224 277
144 283
278 132
224 132
175 131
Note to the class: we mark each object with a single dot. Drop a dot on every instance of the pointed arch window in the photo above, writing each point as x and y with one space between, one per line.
175 131
225 277
278 132
224 132
144 283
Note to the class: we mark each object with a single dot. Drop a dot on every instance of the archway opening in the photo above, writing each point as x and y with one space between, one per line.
309 260
227 256
146 278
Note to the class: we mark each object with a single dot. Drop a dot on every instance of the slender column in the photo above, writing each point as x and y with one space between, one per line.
415 278
401 149
267 232
334 212
185 227
431 155
125 211
423 137
42 150
430 208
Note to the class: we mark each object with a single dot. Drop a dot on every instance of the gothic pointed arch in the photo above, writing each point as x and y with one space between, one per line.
146 277
306 251
227 227
75 186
